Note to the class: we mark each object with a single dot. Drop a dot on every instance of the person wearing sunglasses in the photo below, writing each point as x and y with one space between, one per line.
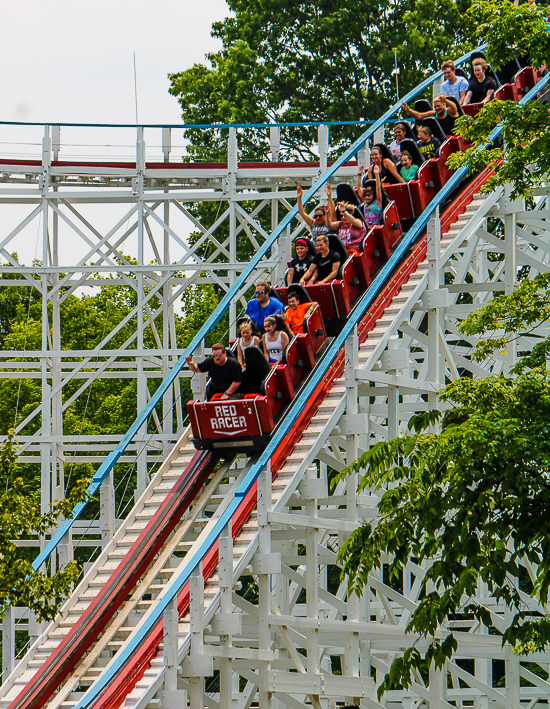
262 305
317 223
225 372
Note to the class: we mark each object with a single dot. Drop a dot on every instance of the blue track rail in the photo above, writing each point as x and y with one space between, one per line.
191 561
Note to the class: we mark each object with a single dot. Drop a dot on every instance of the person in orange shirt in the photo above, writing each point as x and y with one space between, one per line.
296 313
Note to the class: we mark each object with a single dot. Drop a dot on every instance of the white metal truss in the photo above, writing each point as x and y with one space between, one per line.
274 625
69 227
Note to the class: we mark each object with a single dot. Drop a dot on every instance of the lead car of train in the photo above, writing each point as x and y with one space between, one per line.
246 424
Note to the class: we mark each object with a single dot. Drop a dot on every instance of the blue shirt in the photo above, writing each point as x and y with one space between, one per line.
257 313
461 84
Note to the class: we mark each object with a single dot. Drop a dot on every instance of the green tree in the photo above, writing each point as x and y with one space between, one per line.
109 405
20 518
294 61
470 499
289 61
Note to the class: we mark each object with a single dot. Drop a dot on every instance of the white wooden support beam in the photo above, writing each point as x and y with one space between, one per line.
66 550
8 642
232 165
142 389
274 142
226 624
198 664
312 579
170 640
351 658
434 314
323 143
417 385
166 143
436 87
327 685
264 582
56 141
435 299
379 135
107 509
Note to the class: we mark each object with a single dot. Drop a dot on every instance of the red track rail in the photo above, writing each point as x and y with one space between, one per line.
87 630
171 165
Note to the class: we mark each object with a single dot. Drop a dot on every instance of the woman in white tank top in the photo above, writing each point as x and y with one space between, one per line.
274 341
247 339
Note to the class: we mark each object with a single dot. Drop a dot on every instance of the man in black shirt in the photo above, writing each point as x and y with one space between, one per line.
325 265
481 87
225 372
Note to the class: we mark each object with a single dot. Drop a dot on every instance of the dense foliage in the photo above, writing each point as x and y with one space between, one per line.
107 407
290 61
20 518
470 499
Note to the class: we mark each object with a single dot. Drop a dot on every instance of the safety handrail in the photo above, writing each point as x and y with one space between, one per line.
191 561
112 458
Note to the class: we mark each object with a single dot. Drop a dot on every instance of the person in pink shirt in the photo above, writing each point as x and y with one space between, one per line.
351 228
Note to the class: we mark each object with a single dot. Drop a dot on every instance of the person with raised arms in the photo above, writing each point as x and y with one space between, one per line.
317 223
444 110
351 228
372 200
388 170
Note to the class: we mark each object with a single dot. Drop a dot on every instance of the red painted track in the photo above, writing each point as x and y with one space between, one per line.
171 165
114 593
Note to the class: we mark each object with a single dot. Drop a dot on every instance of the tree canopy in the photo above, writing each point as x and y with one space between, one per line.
471 498
290 61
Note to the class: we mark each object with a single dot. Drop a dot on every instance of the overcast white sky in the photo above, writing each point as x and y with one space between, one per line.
69 61
73 61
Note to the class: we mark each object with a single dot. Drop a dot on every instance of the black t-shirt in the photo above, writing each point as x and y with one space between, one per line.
386 177
300 267
479 88
447 123
221 376
324 263
429 149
